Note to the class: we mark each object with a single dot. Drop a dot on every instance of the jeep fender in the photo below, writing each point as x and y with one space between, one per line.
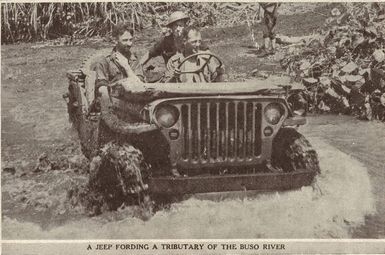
114 123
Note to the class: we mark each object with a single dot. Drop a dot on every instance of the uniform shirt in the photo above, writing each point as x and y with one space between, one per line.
115 67
167 47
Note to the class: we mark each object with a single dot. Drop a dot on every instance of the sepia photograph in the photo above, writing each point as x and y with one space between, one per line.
192 121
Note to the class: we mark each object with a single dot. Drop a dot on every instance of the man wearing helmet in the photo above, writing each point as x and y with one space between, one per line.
170 43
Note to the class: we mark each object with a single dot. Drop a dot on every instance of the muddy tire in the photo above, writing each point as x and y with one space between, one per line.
293 152
118 177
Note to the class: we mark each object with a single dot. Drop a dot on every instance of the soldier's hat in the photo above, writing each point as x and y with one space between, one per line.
175 16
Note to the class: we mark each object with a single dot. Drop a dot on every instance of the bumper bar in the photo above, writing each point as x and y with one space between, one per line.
223 183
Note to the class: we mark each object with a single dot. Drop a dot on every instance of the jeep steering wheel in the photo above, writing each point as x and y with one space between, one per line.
200 68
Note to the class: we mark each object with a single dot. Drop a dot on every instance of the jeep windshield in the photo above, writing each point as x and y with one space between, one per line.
270 86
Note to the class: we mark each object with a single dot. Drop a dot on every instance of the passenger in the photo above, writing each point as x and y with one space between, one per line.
192 44
170 43
270 20
121 63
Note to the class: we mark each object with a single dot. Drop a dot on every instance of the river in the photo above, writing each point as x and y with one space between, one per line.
346 201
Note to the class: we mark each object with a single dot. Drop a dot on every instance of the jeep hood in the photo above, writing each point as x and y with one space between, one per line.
149 91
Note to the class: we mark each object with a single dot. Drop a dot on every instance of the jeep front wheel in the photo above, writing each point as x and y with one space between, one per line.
118 175
293 152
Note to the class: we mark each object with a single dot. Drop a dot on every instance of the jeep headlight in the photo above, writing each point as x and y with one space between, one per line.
273 113
167 115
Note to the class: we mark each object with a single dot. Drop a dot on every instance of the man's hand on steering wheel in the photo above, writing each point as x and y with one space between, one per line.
201 67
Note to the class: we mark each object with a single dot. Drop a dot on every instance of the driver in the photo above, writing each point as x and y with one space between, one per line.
192 44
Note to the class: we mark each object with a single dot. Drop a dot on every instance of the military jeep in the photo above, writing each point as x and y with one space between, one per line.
193 138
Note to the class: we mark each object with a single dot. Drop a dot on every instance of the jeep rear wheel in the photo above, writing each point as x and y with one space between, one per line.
293 152
89 132
118 176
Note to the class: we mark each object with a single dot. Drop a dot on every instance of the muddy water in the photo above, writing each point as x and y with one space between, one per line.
346 201
363 142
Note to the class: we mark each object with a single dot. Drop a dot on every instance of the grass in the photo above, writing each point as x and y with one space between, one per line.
41 21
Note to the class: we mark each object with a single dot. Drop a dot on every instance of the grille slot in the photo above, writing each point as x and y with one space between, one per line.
219 131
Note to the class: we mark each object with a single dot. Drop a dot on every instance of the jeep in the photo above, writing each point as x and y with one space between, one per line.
186 138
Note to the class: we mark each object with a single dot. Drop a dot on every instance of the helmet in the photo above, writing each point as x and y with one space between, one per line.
175 16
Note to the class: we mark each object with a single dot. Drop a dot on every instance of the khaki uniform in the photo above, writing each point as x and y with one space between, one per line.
211 72
165 47
115 67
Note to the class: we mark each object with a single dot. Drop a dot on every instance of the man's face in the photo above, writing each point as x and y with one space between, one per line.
177 27
124 42
193 42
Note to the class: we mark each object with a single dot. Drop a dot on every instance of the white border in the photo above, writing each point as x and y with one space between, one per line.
117 241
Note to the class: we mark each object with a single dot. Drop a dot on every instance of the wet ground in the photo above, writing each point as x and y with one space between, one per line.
348 200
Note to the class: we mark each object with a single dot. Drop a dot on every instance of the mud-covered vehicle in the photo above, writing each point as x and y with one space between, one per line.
179 138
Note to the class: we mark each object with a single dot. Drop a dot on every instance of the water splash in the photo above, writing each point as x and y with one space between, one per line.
338 201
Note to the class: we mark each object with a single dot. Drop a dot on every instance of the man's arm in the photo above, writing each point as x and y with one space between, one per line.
137 68
101 75
215 70
145 58
153 52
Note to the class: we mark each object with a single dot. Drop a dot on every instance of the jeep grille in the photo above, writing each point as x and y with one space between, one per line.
221 131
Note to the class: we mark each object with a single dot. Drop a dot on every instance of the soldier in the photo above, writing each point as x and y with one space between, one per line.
270 20
170 43
121 63
192 44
